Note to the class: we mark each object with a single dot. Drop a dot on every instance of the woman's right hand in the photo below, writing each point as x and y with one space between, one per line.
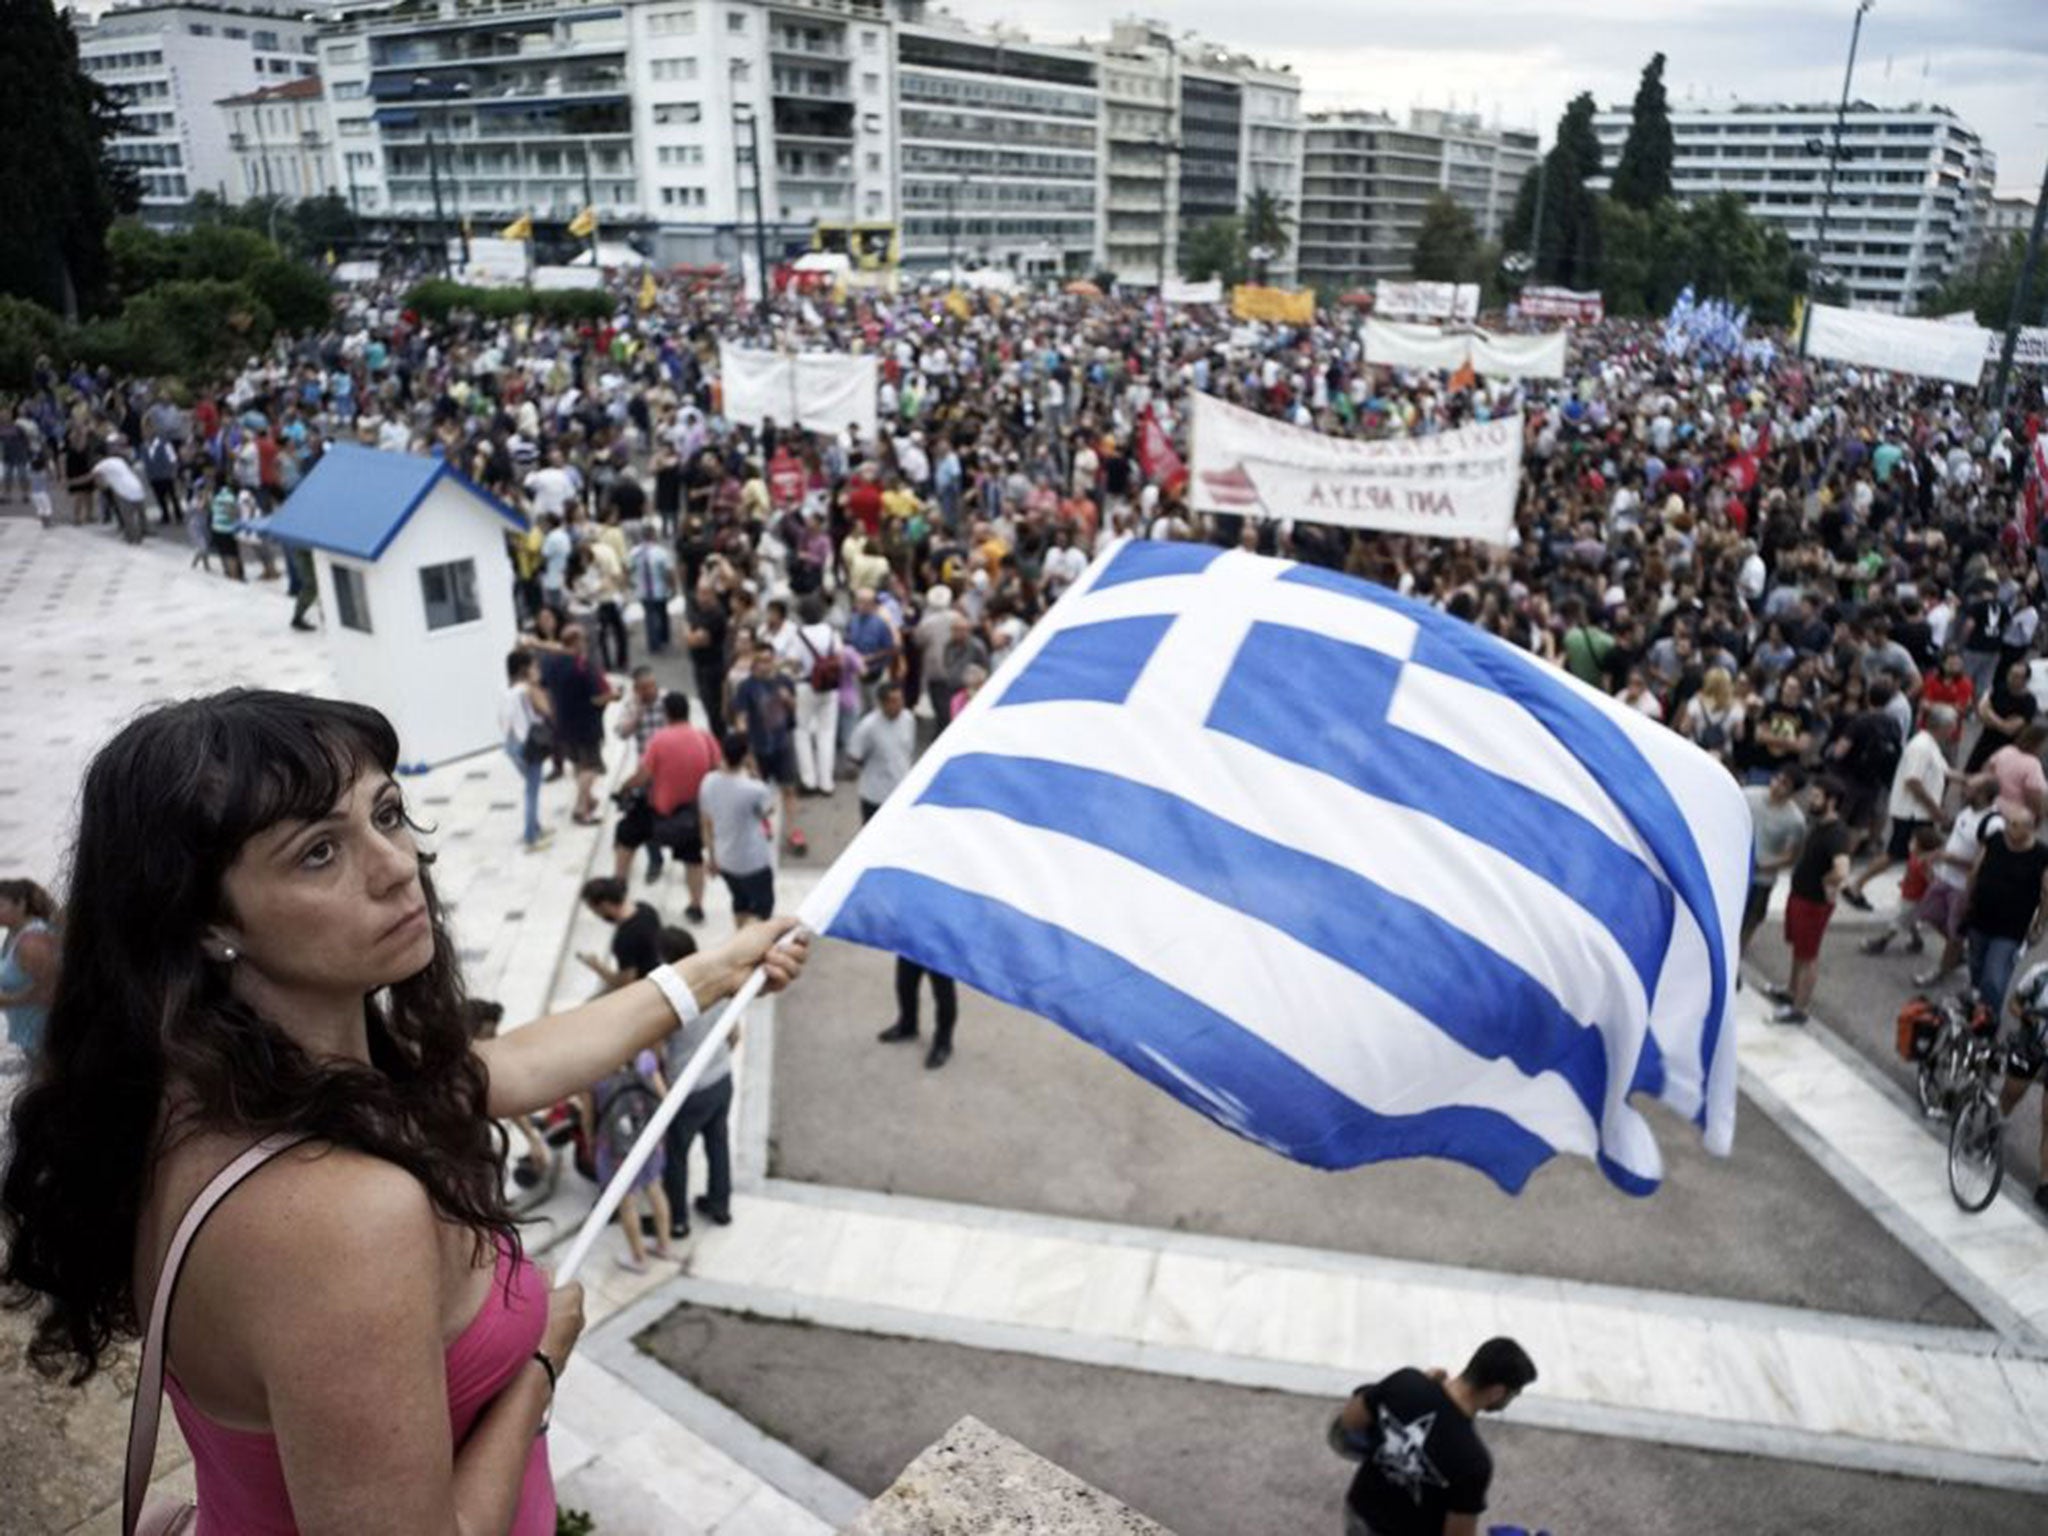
565 1323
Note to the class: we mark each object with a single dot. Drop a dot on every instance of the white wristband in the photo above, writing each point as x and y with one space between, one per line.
677 991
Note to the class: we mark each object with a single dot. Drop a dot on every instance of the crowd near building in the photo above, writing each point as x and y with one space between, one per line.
732 130
1912 186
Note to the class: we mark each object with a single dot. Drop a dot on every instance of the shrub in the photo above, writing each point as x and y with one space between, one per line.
573 304
28 331
437 296
195 328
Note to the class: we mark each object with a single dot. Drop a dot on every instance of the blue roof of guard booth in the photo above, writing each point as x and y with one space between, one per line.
356 499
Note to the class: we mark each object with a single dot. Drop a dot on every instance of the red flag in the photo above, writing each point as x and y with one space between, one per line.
1156 456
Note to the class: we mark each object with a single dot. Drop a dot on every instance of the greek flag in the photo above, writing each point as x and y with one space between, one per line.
1349 876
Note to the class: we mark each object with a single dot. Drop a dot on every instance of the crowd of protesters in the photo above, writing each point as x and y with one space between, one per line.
1818 574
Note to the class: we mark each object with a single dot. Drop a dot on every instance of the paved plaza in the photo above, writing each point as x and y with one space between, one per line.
1811 1316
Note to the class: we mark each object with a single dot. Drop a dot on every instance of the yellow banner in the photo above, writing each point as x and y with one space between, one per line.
648 292
584 225
520 228
1276 306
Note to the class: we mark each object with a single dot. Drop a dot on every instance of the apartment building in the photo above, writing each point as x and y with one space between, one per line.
998 145
1912 189
282 141
169 65
650 111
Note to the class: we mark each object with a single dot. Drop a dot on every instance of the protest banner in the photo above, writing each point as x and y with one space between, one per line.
1425 301
1581 307
818 391
1932 349
1452 485
1180 291
1275 306
1392 344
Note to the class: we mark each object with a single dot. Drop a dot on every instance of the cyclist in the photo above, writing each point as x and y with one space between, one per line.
2029 1054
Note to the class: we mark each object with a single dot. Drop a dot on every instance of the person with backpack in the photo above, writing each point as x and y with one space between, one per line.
817 697
619 1108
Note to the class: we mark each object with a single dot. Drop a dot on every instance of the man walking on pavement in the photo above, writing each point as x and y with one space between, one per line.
672 771
1423 1470
884 744
1823 866
2006 903
1917 787
704 1112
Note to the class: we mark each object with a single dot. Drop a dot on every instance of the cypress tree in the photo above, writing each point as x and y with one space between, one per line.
1643 176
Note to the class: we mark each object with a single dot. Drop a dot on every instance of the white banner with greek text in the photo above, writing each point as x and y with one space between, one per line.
1425 301
1453 485
818 391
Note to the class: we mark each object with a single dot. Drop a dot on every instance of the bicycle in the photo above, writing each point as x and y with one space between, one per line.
1976 1165
1945 1064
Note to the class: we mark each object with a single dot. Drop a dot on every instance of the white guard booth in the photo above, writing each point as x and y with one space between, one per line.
416 591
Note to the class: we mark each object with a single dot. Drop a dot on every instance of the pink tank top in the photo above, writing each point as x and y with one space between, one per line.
240 1480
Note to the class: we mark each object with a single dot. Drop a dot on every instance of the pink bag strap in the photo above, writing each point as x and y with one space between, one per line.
149 1382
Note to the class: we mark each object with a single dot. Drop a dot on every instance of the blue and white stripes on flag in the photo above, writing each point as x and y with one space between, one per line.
1349 876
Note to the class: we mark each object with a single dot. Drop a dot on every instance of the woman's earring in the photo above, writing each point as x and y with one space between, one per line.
229 954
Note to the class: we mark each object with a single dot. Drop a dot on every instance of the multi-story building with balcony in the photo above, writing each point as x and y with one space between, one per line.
649 111
1911 189
1366 180
1190 131
168 65
998 147
282 141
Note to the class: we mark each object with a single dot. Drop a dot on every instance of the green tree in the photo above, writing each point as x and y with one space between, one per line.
220 251
141 257
1567 247
298 297
1985 287
1214 248
1447 246
58 186
27 332
1642 177
1267 220
323 224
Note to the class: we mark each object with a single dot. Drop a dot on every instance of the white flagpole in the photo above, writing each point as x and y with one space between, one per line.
650 1138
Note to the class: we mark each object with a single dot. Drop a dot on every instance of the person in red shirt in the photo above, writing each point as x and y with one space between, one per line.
864 501
672 769
1950 686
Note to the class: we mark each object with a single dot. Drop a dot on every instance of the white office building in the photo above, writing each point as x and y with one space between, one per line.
169 66
1911 191
281 140
647 110
1367 179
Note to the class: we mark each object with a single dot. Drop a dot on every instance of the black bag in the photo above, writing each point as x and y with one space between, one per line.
539 745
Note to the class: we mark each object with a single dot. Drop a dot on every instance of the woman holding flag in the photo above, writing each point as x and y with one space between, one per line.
261 1002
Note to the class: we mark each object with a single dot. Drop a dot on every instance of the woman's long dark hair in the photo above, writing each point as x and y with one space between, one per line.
139 1011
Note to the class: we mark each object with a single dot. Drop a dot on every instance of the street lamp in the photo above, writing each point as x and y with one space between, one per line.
1827 195
423 86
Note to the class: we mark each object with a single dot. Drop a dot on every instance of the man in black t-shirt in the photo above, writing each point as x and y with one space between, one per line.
636 933
2006 902
1823 866
2004 713
1423 1470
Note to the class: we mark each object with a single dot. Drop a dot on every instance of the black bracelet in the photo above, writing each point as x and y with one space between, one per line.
547 1413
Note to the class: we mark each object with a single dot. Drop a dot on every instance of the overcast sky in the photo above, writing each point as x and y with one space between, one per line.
1523 59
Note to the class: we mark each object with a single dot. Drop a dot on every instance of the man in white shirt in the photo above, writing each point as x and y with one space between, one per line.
884 744
551 488
1917 787
117 477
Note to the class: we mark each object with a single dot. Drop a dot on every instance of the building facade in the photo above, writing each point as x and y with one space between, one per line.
1912 189
282 142
1140 123
649 111
169 66
998 145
